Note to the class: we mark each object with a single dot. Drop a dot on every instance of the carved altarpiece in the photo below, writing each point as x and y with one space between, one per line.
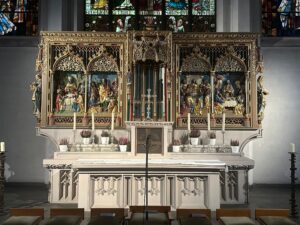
149 80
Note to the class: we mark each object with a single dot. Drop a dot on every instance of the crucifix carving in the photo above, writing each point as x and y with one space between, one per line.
149 96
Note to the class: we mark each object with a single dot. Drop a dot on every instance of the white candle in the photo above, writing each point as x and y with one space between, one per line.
93 121
2 147
112 121
189 121
293 147
223 122
208 121
74 121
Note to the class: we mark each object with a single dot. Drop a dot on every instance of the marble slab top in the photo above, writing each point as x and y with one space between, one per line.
85 163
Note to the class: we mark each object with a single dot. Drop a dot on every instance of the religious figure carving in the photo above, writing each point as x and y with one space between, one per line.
59 101
261 98
70 95
228 91
36 88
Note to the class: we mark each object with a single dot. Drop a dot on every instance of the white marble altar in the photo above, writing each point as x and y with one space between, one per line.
98 175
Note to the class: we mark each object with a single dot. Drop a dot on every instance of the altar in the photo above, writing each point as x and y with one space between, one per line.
100 181
162 87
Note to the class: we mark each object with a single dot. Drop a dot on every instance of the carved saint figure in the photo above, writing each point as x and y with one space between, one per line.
228 91
104 91
36 88
59 101
261 97
70 97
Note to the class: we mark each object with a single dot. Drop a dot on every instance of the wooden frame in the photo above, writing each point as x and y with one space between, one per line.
141 209
277 213
181 213
67 212
119 212
232 213
27 212
271 212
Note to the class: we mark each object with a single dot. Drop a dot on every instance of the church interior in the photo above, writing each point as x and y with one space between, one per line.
149 112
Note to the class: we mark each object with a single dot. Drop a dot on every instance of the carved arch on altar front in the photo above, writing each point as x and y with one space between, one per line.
230 62
68 61
102 61
196 62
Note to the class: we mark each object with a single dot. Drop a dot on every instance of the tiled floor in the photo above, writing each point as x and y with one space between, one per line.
261 196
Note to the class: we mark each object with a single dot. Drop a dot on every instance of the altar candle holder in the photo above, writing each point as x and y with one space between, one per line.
111 136
93 138
74 136
223 136
73 146
293 211
189 140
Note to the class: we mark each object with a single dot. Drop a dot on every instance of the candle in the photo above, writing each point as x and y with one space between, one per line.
112 121
208 121
74 121
293 147
2 147
189 121
223 122
93 121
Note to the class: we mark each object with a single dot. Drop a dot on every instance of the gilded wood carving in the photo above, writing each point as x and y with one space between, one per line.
157 76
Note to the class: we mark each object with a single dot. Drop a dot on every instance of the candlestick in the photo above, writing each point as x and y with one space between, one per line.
189 121
293 147
112 121
74 121
2 147
93 121
208 121
223 122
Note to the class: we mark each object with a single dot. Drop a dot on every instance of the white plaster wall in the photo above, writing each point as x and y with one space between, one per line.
282 123
24 150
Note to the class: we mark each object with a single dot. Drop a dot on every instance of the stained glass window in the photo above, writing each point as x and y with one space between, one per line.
19 17
175 15
281 17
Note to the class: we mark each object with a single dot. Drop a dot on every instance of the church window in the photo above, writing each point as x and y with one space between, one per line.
19 17
281 18
174 15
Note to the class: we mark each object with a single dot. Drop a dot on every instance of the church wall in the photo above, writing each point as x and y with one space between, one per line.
281 124
24 150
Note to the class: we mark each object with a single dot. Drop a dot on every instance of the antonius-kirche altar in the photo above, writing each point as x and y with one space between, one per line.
96 92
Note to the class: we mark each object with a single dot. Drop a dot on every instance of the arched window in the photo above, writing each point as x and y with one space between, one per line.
174 15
